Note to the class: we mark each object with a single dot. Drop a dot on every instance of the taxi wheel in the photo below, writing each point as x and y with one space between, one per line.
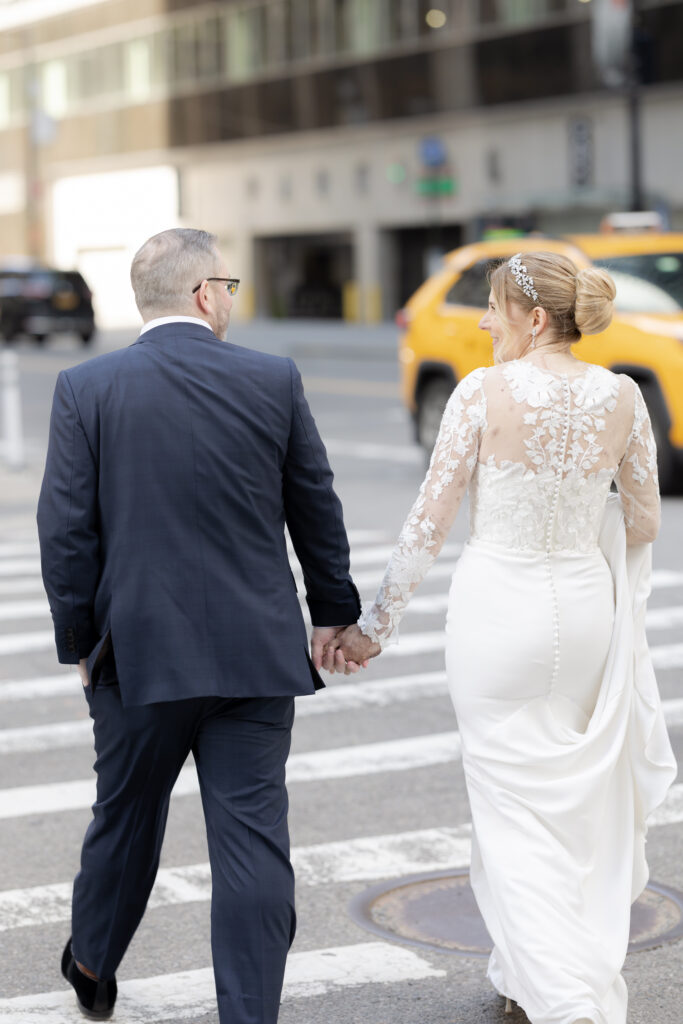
668 468
431 402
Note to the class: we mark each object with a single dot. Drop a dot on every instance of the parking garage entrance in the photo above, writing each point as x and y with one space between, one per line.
305 276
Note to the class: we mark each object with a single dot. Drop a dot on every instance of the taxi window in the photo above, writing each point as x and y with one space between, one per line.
647 282
472 287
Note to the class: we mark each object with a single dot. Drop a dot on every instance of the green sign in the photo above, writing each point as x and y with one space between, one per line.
436 186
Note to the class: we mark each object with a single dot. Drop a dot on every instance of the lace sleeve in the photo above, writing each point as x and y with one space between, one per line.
636 478
432 515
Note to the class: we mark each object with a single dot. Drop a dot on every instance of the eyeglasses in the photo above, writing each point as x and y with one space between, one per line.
231 284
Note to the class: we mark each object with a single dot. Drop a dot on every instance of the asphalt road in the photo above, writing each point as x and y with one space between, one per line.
377 791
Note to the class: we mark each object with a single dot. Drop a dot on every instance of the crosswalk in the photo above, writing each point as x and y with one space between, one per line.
364 728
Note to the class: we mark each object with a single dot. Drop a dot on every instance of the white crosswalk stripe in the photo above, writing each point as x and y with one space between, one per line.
192 993
317 766
368 859
19 566
348 697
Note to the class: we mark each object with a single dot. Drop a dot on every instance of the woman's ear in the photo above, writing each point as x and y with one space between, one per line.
539 318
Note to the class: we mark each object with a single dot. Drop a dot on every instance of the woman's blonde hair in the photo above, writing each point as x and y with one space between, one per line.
577 301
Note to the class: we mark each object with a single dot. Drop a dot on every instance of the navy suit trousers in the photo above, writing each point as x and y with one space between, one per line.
240 747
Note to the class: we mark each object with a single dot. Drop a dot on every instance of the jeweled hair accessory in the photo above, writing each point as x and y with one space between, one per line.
522 278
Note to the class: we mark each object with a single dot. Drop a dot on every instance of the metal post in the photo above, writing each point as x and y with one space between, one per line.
634 115
12 429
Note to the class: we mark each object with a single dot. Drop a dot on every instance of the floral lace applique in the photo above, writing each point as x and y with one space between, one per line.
429 520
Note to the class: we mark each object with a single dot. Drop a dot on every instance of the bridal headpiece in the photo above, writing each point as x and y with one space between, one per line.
522 278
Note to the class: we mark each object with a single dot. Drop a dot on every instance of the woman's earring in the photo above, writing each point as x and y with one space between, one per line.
533 337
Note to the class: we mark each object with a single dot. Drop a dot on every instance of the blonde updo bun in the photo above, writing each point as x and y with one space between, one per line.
577 301
595 294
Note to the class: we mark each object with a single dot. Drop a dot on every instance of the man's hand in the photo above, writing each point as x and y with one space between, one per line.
83 671
324 654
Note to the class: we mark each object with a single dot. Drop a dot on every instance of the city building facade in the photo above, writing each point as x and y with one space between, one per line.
336 147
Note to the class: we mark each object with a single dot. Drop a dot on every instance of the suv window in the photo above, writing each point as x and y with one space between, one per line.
472 287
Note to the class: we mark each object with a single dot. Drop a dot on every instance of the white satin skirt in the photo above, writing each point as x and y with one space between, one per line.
565 753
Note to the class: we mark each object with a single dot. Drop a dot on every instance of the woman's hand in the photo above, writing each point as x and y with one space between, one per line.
351 647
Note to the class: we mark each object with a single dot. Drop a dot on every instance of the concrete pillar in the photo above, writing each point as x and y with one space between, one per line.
367 265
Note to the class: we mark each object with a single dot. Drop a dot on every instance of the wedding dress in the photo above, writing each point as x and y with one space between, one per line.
565 751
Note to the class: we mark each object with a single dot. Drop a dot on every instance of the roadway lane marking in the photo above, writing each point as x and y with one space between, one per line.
191 994
667 656
15 549
375 452
337 696
65 685
17 566
343 697
33 585
11 610
370 858
366 859
316 766
349 386
658 618
22 643
664 618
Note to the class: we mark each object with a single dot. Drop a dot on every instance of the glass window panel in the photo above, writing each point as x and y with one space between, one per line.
518 12
209 56
54 88
277 39
364 25
17 90
184 52
160 59
138 60
5 109
245 39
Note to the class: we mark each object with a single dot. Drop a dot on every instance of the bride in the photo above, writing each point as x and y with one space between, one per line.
565 750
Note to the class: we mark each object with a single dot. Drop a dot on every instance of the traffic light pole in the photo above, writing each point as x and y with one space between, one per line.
634 116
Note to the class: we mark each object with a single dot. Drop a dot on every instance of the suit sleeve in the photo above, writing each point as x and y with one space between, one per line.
314 518
67 528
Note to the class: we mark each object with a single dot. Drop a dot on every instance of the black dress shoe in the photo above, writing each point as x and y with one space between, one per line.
95 998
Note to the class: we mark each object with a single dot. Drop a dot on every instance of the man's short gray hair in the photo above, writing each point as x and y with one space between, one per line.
168 266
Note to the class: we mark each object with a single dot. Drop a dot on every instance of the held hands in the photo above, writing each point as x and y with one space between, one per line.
341 649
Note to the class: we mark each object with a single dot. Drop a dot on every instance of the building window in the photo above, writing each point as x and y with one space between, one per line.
362 179
245 42
322 182
493 169
138 63
5 109
209 55
519 12
54 94
285 189
253 187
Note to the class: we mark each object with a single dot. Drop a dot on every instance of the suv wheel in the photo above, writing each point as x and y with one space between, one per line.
39 338
431 402
87 335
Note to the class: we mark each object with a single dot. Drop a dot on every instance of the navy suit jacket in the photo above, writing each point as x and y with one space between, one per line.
172 469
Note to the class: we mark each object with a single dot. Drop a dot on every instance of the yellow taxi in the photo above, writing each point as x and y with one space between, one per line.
440 341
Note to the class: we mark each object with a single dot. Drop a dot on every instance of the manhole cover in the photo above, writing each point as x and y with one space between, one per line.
439 911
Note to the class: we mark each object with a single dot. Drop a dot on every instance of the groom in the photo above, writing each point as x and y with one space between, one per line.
173 467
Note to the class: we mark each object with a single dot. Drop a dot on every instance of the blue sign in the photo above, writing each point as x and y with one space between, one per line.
432 152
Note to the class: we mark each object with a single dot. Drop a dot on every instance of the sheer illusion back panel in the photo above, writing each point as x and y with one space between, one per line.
538 451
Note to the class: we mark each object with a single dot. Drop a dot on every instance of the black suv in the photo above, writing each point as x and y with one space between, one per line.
39 301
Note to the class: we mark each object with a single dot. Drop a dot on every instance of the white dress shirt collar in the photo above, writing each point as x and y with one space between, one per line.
161 320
